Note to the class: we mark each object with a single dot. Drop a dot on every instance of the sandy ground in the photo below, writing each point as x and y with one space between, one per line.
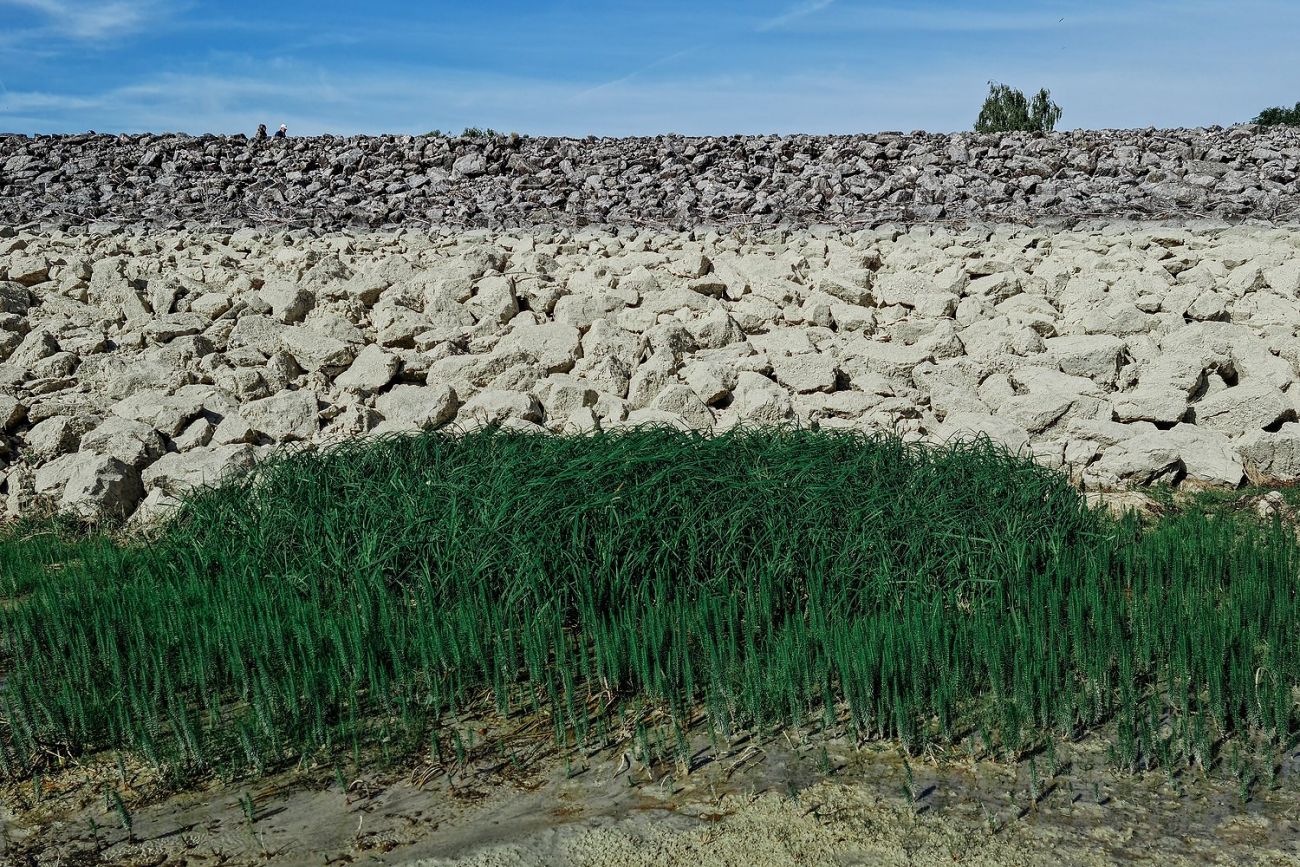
789 800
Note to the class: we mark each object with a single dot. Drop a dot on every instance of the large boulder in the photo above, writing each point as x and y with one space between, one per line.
1272 456
285 417
413 407
967 427
555 345
101 486
1251 406
134 443
178 472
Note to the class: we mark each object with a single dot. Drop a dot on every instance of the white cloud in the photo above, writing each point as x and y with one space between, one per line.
794 14
94 20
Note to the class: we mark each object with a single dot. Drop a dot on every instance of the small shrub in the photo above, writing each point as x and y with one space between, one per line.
1007 110
1278 116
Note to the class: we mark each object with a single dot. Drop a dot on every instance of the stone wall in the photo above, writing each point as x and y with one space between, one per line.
135 364
665 181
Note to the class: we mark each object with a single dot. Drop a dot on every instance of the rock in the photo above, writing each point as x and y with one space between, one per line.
313 350
1141 460
132 442
1209 457
759 400
470 165
1272 456
556 346
1154 404
168 413
176 473
198 433
889 360
12 412
289 416
101 486
289 302
372 370
1250 406
965 427
412 407
1096 356
713 382
56 435
682 401
806 372
494 406
1120 503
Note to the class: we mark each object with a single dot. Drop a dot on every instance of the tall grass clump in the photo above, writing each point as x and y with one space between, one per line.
362 597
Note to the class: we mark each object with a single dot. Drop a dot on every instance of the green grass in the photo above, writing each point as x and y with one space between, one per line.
360 599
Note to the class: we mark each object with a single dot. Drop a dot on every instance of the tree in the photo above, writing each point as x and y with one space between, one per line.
1278 116
1006 110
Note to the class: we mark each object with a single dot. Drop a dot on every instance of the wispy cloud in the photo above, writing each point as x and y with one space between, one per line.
615 82
793 14
94 20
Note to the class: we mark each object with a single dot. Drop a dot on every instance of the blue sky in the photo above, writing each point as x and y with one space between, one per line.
626 67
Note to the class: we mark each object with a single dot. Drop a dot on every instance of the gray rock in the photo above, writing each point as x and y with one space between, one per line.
759 400
556 346
412 407
289 301
12 412
1153 404
1272 456
56 435
1141 460
289 416
1250 406
313 350
494 406
681 400
178 472
806 372
372 370
101 485
1096 356
132 442
965 427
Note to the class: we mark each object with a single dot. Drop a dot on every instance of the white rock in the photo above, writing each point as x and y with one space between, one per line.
178 472
371 371
285 417
101 485
496 406
133 442
1096 356
806 372
1250 406
314 350
412 407
964 427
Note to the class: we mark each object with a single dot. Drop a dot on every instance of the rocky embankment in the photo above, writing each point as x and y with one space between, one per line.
664 181
134 364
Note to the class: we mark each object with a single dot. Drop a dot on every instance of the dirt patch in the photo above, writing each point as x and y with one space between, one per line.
786 801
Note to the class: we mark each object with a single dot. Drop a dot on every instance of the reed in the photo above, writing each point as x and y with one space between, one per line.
357 600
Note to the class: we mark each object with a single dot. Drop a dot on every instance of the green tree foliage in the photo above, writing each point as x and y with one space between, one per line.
1007 110
1278 116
